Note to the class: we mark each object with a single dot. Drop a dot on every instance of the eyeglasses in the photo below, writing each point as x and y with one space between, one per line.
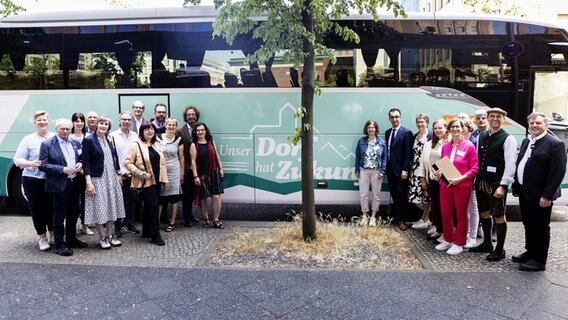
137 107
122 119
64 129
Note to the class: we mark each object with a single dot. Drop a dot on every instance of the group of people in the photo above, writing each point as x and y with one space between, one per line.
486 163
86 171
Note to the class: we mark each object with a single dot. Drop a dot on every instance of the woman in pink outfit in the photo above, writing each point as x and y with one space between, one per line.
454 194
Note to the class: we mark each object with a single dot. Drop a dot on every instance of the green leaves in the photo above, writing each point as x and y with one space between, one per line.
7 7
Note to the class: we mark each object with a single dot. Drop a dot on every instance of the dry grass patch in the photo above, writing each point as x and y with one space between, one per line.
338 245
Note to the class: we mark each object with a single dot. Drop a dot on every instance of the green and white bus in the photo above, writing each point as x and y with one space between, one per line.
104 60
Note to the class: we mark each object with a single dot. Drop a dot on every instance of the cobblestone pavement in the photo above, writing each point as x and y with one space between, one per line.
142 281
189 247
475 262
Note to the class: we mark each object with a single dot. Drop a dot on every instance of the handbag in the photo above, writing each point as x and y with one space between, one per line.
136 193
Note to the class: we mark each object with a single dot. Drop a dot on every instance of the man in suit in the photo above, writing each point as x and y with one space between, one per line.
497 151
138 119
191 116
541 166
399 156
61 161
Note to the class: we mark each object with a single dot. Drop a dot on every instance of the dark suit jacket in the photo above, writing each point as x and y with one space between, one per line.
186 137
53 163
544 170
93 156
400 150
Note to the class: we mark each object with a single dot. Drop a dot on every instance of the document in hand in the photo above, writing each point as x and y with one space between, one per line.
449 171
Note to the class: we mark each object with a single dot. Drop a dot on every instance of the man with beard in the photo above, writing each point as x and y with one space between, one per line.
160 113
191 116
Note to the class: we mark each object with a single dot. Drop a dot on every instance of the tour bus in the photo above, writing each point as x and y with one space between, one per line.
428 63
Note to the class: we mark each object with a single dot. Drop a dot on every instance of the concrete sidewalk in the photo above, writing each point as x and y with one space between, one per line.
142 281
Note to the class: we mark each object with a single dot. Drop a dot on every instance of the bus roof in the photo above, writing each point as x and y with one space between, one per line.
120 16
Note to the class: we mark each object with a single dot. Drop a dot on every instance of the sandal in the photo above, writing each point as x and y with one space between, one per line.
217 224
170 228
206 224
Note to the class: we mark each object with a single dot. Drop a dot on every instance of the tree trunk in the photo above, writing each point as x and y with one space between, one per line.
308 199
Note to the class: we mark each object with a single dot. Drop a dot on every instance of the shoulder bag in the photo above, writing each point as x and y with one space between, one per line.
136 193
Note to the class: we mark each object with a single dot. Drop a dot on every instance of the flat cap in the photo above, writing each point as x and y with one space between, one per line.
497 110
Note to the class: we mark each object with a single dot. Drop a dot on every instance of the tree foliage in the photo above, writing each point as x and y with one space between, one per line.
295 28
503 7
7 7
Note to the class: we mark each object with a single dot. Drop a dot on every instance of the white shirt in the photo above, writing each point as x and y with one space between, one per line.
526 156
510 150
122 143
69 154
28 150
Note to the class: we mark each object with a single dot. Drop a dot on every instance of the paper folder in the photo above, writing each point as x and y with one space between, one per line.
449 171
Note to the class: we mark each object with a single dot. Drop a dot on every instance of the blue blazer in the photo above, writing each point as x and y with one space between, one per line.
400 150
93 156
53 163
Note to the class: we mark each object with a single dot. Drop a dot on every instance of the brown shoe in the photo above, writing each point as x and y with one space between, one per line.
402 226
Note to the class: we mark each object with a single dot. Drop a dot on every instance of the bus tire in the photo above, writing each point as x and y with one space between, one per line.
17 191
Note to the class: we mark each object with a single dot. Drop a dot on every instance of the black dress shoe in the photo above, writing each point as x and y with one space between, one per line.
521 258
532 265
188 224
487 248
64 251
496 256
195 219
158 241
77 244
132 228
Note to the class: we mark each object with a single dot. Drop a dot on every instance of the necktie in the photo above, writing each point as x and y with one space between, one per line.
393 134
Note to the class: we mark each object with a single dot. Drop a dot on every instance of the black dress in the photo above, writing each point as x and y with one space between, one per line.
208 171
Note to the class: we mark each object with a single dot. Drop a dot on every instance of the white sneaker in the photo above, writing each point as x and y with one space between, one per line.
113 241
104 244
364 222
373 222
431 231
471 242
43 244
421 224
443 246
454 250
440 239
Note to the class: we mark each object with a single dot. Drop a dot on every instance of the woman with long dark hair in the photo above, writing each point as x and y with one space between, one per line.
79 132
208 174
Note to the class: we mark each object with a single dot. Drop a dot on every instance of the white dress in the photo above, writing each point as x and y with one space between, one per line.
107 203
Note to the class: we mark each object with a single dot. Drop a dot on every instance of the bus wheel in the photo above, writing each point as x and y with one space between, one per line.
17 191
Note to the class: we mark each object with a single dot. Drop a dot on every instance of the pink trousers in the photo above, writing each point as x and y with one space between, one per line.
455 197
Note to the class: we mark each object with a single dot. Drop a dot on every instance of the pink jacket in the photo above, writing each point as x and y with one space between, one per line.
465 160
